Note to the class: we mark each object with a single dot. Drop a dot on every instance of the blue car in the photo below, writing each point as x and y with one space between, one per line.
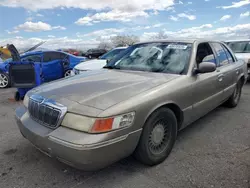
51 65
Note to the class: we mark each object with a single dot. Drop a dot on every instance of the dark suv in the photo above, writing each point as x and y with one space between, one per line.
94 53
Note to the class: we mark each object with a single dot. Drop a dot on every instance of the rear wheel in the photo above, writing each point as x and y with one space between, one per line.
17 96
235 97
158 137
4 80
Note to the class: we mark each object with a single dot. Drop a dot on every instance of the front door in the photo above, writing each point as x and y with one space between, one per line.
52 67
206 91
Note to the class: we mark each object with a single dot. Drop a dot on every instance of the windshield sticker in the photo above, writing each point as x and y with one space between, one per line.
177 46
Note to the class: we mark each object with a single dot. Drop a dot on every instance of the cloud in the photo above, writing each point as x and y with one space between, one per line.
184 15
225 17
132 5
12 32
207 0
51 43
236 4
51 36
114 15
103 32
206 31
29 19
58 14
59 27
39 15
18 37
189 3
37 27
173 18
246 14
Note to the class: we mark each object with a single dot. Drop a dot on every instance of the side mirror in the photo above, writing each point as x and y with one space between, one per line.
206 67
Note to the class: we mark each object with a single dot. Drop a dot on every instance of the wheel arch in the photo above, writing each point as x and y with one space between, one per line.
242 79
172 106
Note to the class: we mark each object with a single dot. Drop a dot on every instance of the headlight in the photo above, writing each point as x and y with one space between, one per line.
97 125
26 101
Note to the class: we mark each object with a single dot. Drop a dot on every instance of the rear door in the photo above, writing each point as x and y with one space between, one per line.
227 74
52 67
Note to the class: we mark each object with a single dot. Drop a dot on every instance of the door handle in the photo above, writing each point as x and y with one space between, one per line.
220 77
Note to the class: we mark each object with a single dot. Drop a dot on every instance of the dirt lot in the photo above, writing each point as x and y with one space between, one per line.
213 152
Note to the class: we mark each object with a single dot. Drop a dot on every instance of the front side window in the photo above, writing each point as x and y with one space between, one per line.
161 57
205 54
240 47
31 58
221 54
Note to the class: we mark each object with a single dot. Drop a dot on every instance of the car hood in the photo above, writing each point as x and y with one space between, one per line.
243 56
103 88
91 65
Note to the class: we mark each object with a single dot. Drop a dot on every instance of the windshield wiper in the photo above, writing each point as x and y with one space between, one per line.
110 67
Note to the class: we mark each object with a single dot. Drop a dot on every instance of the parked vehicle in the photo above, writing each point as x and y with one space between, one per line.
136 104
97 63
241 48
51 62
94 53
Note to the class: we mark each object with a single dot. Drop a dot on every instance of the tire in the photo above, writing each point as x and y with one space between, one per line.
4 80
67 73
153 147
235 97
17 96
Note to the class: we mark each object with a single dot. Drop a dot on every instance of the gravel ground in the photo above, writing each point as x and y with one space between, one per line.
213 152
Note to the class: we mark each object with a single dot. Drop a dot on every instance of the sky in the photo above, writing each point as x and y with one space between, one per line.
83 24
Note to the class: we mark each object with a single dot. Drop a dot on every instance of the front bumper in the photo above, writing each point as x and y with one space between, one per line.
80 150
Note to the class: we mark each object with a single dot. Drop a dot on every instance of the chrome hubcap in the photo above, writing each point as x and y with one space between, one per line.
158 138
67 73
3 81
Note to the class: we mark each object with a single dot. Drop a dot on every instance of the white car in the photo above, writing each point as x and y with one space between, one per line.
241 48
97 63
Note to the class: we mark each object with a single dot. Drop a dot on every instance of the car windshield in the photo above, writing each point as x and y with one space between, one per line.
111 54
161 57
240 47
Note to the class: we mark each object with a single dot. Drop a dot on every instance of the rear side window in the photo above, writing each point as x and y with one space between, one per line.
221 54
51 56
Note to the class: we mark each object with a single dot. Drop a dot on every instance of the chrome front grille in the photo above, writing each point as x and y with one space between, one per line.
45 112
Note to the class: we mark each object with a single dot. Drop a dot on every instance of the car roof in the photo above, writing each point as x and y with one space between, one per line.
40 52
120 48
239 40
180 40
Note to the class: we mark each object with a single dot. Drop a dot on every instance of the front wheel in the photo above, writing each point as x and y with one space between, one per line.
158 137
67 73
4 80
235 97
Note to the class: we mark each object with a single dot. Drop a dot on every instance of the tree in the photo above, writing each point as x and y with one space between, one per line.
124 40
160 35
105 45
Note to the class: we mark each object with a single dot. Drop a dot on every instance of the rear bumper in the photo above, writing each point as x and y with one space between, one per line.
69 146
